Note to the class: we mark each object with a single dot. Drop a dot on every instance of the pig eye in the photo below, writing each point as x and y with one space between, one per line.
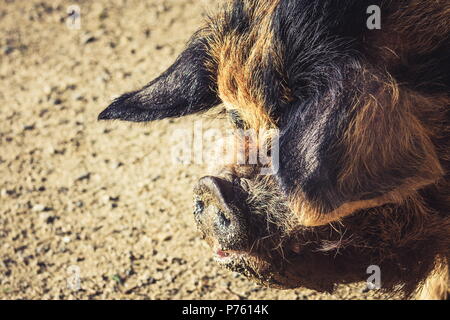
236 119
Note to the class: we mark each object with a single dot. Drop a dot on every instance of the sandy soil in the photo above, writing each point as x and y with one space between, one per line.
102 199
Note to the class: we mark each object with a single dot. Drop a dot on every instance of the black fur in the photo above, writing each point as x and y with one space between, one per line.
185 88
322 52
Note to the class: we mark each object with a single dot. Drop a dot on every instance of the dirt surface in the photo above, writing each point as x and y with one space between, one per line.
104 201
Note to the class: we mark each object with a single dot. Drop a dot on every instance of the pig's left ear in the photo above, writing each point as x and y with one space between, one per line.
186 87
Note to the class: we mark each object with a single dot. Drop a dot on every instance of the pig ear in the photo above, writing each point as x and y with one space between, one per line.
185 88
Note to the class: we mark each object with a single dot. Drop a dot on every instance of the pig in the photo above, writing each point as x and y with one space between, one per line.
363 126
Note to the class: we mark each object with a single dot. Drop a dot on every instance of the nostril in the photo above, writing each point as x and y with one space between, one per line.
199 207
223 220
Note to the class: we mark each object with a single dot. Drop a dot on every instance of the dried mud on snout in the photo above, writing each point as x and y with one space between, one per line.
101 202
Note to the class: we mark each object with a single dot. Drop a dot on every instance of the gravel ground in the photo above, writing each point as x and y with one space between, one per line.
103 200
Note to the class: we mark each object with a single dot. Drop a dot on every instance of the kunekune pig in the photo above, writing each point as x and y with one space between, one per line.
363 123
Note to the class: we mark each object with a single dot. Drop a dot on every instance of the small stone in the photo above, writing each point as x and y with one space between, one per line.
86 176
105 199
38 208
79 204
8 50
114 199
50 219
116 165
29 127
158 276
88 38
47 89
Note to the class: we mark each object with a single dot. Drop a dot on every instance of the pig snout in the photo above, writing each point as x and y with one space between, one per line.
220 214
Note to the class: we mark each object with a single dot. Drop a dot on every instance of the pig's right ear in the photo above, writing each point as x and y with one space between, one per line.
185 88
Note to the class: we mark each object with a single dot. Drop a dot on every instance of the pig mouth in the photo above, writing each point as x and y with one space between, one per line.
222 256
267 271
229 258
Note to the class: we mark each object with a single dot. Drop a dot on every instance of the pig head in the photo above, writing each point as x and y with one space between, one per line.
363 130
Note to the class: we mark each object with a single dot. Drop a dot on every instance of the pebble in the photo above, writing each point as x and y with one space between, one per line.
105 199
158 276
89 39
8 50
38 208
